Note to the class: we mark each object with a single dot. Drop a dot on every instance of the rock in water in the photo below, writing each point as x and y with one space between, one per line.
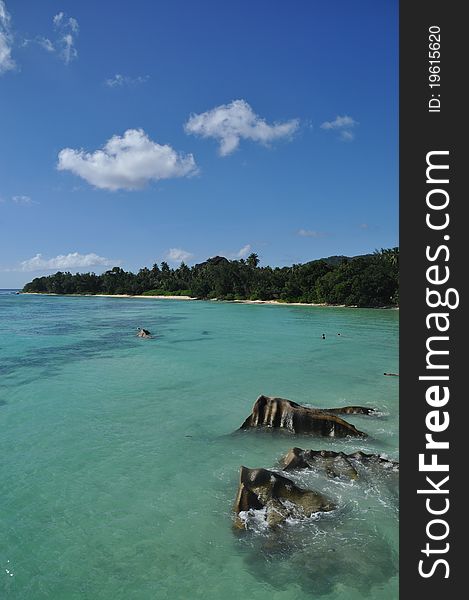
279 496
335 464
350 410
285 414
143 333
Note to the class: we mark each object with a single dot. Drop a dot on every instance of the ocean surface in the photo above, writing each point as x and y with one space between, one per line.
119 465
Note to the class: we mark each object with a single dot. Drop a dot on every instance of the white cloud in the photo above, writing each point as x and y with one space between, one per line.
128 162
116 81
68 29
58 18
347 136
43 42
63 262
23 200
69 52
6 61
73 24
343 125
46 44
60 21
119 80
311 233
230 123
178 255
244 251
339 122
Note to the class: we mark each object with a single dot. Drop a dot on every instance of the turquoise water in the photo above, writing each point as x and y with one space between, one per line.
119 466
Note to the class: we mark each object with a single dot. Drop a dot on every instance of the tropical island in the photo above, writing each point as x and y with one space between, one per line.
370 280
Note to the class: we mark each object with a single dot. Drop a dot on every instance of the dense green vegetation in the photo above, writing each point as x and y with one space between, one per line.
370 280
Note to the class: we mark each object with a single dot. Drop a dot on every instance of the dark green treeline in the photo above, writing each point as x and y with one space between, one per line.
370 280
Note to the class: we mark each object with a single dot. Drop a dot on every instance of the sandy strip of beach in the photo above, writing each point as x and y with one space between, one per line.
257 302
109 296
276 303
141 296
271 302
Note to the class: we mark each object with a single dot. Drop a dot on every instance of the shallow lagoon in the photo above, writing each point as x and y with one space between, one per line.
120 466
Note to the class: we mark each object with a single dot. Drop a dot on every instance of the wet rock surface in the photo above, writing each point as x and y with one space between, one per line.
281 413
334 464
279 496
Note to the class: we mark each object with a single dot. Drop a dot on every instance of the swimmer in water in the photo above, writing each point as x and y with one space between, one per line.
143 332
323 337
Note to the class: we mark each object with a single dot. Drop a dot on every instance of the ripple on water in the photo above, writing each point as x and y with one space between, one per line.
105 493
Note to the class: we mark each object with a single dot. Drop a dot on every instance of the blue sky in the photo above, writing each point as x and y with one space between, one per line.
132 133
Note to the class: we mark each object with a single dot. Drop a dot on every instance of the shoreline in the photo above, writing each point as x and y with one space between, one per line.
107 296
136 296
254 302
321 305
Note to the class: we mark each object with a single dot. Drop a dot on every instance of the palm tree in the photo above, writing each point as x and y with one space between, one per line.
253 260
390 255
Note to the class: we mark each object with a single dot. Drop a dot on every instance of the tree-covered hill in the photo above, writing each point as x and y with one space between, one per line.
370 280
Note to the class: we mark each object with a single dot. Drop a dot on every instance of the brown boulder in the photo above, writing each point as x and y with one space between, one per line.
279 496
335 464
284 414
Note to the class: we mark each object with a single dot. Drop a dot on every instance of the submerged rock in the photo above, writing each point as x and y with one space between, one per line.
335 464
278 496
341 557
285 414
